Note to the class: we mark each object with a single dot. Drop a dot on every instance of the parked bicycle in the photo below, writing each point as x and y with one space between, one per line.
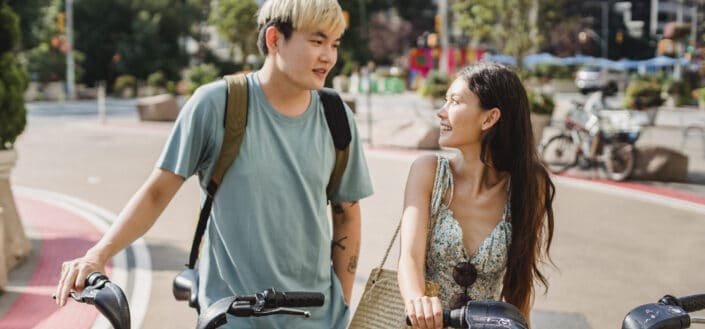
589 141
668 313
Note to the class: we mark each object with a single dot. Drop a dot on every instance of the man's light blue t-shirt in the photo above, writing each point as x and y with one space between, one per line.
269 225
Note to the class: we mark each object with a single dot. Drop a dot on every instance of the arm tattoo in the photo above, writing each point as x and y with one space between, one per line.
339 243
352 264
338 207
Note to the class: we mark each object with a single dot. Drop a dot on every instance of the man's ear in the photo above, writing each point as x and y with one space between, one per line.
271 38
491 118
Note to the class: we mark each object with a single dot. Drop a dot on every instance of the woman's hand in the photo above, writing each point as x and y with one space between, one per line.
425 312
73 276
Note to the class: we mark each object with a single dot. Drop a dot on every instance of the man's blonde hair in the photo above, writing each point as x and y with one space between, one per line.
303 15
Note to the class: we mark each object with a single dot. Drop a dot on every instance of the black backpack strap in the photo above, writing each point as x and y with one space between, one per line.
339 128
235 123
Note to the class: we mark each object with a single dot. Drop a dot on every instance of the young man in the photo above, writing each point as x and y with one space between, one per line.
268 226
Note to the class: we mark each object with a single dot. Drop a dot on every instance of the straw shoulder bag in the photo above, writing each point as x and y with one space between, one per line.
381 305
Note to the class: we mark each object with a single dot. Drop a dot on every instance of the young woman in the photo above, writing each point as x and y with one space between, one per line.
485 215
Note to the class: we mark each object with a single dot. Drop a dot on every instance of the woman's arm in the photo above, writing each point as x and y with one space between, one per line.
424 311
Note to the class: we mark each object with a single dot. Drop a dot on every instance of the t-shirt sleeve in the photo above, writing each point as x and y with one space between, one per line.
355 183
193 140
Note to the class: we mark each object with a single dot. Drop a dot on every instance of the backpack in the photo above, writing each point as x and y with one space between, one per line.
235 122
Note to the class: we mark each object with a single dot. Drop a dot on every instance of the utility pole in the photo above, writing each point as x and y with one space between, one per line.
443 12
693 23
653 18
605 27
70 73
677 69
605 11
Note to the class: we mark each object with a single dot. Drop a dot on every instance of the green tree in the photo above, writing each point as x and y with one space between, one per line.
477 18
133 37
508 24
29 12
236 22
13 79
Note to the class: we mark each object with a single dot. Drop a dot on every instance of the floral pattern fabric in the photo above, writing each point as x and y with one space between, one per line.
446 249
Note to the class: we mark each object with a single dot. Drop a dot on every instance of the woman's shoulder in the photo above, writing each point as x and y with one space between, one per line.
425 163
423 169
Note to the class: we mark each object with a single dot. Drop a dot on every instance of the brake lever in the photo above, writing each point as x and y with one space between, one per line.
282 310
87 295
244 309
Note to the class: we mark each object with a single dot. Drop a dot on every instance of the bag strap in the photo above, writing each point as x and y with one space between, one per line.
432 223
234 122
339 127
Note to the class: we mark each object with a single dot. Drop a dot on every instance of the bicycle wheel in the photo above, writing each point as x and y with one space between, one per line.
559 153
619 159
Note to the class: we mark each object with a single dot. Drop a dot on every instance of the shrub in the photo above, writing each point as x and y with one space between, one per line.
13 80
680 91
435 85
552 71
199 75
540 103
9 28
125 82
698 95
643 93
171 87
156 79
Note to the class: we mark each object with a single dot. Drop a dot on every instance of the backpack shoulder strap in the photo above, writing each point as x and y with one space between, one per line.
235 122
339 128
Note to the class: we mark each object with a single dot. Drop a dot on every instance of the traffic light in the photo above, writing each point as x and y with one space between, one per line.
61 22
437 23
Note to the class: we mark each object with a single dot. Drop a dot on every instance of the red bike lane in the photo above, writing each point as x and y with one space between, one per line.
64 235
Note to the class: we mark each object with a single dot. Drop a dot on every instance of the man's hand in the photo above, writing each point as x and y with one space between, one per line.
74 274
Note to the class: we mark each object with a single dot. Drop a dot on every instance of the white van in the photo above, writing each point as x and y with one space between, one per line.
592 78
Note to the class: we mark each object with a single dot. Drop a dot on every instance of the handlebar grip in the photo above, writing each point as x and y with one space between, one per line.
451 318
295 299
692 303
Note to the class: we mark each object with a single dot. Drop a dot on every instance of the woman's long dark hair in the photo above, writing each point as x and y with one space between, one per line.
509 147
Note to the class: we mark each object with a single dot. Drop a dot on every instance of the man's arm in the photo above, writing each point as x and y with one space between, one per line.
134 220
346 243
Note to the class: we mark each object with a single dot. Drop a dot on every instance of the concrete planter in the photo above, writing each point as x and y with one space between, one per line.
158 108
14 245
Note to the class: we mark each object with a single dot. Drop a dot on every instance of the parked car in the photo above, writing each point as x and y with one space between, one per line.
592 78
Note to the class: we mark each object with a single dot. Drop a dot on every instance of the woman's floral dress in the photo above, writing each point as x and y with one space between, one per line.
446 249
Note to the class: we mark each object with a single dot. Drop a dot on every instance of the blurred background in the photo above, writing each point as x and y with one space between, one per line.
138 48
